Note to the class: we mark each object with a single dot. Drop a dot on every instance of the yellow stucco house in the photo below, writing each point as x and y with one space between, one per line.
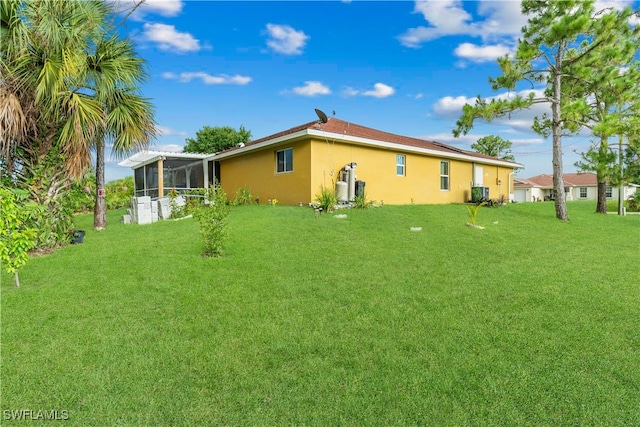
292 166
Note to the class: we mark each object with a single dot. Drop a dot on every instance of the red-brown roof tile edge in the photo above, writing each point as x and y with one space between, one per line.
341 127
571 179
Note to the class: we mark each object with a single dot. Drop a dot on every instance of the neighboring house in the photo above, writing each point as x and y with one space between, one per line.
577 186
293 165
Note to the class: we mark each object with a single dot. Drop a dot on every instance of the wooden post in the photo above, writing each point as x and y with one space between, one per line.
161 177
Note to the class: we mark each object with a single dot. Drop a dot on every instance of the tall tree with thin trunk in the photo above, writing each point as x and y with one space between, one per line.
610 104
115 71
558 35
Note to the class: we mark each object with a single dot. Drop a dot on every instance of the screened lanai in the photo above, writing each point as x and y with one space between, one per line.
157 173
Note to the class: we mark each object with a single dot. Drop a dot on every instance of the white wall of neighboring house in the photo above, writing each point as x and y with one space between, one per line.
520 195
537 193
531 194
629 191
592 193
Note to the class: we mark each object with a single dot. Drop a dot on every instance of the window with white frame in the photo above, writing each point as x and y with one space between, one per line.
583 192
444 175
609 192
400 165
284 160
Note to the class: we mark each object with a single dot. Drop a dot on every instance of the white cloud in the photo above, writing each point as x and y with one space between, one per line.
312 88
450 108
617 5
526 142
502 18
380 90
448 18
220 79
465 141
168 38
285 39
170 148
166 131
166 8
485 53
349 92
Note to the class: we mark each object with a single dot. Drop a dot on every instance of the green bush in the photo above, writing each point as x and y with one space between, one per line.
16 237
633 202
326 198
193 201
119 192
81 197
361 202
243 196
49 190
212 219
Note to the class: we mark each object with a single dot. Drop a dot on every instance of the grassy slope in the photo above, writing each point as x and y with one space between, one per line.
324 321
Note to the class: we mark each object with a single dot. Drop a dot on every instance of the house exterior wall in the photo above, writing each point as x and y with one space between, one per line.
318 163
257 171
420 183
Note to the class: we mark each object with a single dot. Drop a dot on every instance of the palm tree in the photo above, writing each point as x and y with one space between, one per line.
115 72
68 82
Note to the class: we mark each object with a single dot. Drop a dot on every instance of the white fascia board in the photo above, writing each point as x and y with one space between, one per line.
408 148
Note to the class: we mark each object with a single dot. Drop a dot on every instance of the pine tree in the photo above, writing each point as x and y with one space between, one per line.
558 38
611 88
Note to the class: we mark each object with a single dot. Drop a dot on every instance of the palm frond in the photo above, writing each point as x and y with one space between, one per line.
12 119
84 124
130 123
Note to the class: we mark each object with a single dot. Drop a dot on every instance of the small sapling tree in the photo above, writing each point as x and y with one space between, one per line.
212 219
16 239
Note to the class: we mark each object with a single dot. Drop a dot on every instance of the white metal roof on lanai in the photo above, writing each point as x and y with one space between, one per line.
144 157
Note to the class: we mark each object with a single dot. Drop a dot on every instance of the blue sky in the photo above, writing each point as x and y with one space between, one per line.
398 66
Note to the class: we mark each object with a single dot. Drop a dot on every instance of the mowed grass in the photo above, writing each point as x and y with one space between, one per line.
326 321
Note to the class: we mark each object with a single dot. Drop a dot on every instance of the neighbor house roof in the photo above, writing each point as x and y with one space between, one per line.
585 179
336 129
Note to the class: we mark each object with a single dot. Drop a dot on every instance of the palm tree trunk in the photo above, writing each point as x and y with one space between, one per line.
100 209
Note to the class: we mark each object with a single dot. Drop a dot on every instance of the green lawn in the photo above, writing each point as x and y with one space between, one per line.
325 321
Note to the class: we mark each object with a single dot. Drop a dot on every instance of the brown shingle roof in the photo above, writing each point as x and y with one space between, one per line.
342 127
